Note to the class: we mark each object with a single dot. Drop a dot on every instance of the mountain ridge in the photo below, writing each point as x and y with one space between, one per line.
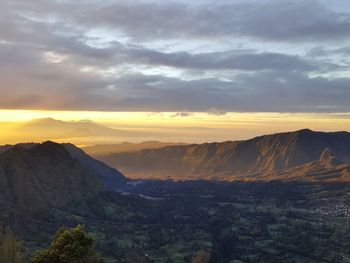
66 129
260 155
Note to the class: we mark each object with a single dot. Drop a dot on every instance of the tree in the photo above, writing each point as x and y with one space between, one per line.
12 250
201 256
73 245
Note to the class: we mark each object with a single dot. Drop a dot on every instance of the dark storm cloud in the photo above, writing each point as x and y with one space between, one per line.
50 59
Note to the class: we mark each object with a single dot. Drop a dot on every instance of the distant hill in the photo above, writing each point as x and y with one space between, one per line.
83 132
240 160
107 149
68 129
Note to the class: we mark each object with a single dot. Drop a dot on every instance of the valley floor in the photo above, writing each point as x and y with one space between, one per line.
164 221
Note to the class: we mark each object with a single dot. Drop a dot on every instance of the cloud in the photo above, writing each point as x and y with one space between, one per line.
216 112
268 20
170 56
181 114
266 91
220 60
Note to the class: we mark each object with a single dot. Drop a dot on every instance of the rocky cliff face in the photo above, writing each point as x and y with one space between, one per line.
260 155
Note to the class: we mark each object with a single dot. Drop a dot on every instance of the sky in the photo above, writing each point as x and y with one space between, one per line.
178 61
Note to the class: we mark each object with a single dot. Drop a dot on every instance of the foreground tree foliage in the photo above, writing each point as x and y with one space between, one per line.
69 246
201 257
12 250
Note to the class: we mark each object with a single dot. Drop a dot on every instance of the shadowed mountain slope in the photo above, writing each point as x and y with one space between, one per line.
111 177
44 176
44 186
47 165
260 155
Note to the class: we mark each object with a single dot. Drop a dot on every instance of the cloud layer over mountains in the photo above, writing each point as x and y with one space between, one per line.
282 56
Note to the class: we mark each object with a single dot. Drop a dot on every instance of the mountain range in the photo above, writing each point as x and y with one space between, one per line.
69 129
83 132
28 171
300 155
47 185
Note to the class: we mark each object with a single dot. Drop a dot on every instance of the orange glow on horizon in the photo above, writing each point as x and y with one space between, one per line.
166 126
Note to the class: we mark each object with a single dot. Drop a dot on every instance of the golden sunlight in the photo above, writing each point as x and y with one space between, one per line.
91 127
